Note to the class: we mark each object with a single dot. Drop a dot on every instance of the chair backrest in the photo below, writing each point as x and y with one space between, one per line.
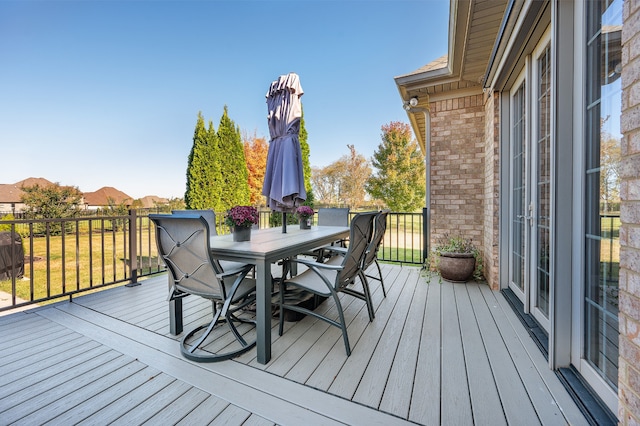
379 228
359 237
208 214
333 216
183 245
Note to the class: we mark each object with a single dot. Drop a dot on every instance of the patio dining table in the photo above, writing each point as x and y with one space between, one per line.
268 246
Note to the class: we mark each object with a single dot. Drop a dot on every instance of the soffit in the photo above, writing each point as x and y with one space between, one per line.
473 28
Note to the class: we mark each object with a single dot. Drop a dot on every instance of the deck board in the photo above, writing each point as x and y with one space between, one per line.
425 401
396 398
510 383
436 353
455 403
372 385
485 400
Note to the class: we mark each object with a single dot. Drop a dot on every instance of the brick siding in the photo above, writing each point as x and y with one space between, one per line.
458 168
629 361
492 190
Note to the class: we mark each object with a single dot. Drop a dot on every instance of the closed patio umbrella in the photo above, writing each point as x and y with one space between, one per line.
284 177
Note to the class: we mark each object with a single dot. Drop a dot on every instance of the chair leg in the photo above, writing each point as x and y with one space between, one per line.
384 292
367 296
212 324
343 326
228 317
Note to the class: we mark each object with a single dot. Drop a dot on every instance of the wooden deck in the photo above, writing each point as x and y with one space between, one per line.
436 353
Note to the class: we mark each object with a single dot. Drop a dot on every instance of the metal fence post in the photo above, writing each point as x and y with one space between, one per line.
133 248
426 224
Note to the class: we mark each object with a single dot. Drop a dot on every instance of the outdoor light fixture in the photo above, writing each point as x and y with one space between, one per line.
411 103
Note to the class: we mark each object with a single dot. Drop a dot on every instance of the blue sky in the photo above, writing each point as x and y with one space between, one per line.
106 93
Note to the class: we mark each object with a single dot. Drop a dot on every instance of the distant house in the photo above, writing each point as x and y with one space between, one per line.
11 194
152 201
104 197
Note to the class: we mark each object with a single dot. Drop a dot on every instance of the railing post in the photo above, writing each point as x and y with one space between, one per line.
426 233
133 248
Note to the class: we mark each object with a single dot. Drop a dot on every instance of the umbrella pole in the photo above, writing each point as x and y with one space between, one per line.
284 222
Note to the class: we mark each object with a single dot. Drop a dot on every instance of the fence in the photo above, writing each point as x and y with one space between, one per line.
63 257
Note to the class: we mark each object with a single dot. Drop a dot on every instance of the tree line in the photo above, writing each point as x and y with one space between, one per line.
226 168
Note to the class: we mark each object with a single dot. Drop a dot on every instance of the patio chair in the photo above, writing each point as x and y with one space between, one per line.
183 244
327 279
371 255
331 216
210 216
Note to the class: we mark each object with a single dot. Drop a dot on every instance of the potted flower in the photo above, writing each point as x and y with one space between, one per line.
304 214
456 258
240 219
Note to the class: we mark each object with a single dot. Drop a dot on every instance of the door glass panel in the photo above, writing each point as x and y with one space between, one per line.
543 178
518 196
602 198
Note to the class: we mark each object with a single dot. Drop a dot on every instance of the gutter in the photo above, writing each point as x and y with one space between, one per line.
494 52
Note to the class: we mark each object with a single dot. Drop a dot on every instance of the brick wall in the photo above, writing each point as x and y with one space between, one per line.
629 362
457 168
491 190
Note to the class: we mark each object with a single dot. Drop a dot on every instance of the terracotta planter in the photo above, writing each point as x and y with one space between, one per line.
305 223
456 267
241 233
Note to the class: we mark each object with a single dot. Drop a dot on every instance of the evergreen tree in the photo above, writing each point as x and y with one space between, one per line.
216 188
306 166
200 168
399 180
233 171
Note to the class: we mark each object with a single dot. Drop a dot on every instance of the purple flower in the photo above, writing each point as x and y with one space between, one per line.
305 212
244 216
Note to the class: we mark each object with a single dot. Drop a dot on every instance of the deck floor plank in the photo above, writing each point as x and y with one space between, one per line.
373 383
129 401
546 392
40 343
47 377
41 369
435 354
101 400
346 382
455 402
143 412
178 409
399 387
509 381
36 397
425 401
485 400
83 393
29 325
204 412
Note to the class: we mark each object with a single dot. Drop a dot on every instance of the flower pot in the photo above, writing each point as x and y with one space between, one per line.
241 233
456 267
305 223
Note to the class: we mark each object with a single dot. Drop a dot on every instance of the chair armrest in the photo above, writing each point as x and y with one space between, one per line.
312 263
336 249
236 271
